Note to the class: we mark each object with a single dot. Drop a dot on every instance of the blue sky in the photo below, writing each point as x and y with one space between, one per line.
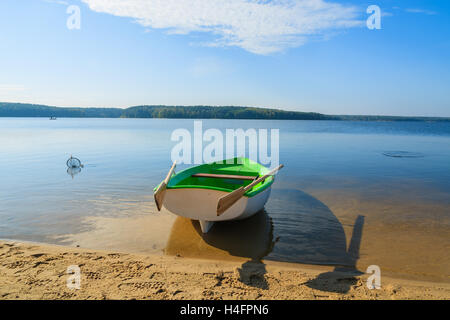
312 55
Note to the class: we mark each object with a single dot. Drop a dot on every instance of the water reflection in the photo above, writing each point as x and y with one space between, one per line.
73 171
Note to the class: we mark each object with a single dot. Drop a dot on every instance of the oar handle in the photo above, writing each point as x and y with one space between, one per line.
264 177
169 175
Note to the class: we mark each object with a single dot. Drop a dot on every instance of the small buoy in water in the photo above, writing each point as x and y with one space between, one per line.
74 163
73 166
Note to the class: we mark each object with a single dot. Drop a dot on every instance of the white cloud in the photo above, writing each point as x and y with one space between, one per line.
428 12
58 2
258 26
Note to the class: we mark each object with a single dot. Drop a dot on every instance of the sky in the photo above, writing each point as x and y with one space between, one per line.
303 55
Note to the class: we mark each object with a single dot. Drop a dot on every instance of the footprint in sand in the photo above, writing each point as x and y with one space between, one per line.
93 275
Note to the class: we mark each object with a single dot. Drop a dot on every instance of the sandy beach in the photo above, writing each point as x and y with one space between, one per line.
38 271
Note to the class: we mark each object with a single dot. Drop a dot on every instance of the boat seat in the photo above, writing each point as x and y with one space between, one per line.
223 176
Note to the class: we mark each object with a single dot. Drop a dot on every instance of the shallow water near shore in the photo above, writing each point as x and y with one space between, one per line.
352 194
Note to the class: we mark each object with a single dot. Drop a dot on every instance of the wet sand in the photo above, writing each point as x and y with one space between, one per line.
139 233
400 229
406 232
37 271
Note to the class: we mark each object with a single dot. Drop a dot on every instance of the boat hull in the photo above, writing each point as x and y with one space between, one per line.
201 204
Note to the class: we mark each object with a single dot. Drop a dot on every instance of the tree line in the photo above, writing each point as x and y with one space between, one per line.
186 112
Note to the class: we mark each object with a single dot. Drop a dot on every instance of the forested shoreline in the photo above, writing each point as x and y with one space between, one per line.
186 112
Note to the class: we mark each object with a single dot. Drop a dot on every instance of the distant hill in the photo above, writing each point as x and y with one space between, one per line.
186 112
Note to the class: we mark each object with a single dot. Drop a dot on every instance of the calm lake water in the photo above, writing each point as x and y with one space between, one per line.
351 193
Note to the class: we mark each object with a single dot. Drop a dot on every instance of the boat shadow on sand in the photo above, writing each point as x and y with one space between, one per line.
251 238
294 227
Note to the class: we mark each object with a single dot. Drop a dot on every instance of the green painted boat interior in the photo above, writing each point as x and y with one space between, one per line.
236 166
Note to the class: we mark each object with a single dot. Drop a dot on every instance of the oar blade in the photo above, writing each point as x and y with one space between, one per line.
161 191
159 195
228 200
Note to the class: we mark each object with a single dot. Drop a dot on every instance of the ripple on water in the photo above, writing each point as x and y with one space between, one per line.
403 154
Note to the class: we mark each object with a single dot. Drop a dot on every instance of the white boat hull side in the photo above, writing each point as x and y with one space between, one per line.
255 204
201 204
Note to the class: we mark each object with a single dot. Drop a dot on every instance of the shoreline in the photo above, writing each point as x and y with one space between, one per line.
193 112
31 270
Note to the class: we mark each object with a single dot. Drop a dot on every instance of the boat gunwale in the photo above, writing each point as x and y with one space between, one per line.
261 170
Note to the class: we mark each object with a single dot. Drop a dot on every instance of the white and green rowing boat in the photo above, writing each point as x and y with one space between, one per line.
228 190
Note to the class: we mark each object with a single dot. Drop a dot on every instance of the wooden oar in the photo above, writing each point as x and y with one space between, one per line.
161 191
228 200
